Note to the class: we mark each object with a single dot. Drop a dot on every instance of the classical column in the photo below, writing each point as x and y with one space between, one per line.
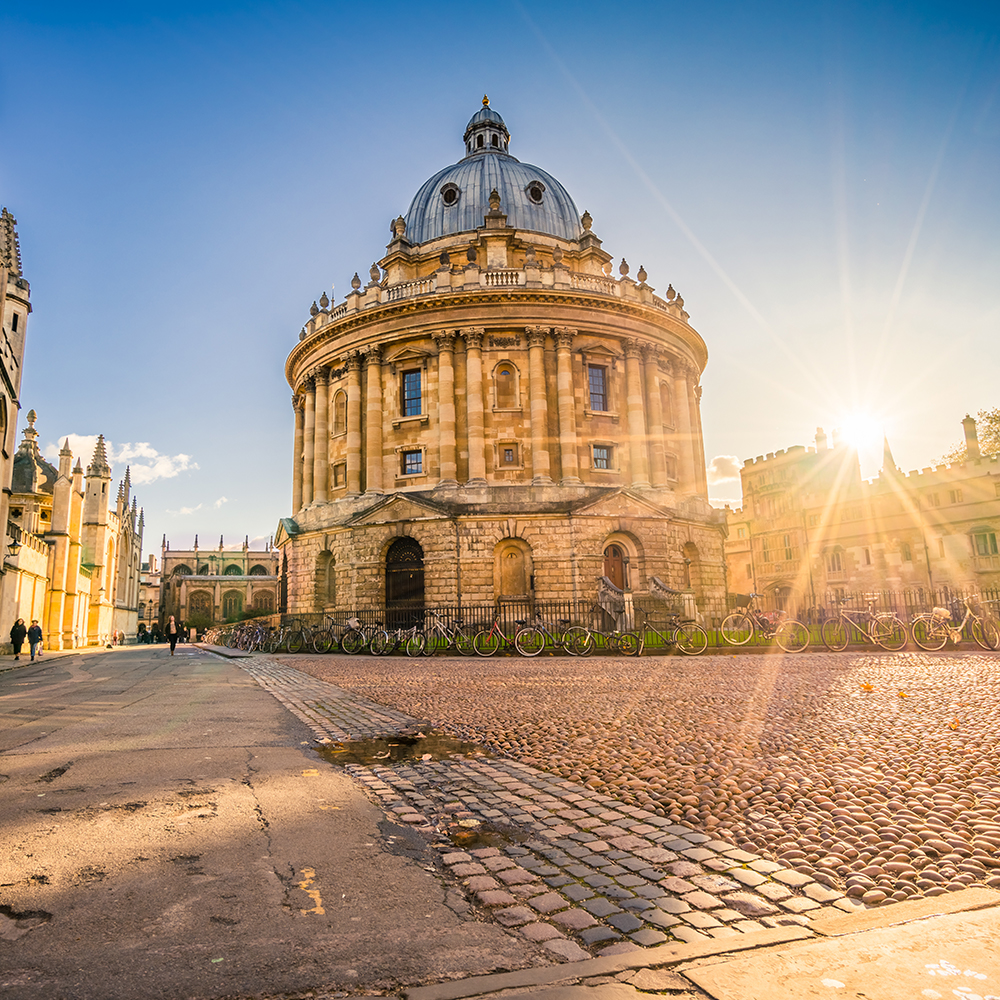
539 406
321 437
445 341
638 453
697 439
654 417
354 425
299 405
568 456
474 380
687 483
373 420
308 442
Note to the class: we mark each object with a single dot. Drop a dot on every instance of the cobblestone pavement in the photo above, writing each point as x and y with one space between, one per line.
571 868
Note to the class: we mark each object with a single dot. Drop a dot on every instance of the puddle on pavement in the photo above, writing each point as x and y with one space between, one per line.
483 835
396 749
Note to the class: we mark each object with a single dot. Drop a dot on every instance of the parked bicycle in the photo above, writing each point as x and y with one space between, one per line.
440 636
882 628
932 629
741 626
685 636
561 637
491 640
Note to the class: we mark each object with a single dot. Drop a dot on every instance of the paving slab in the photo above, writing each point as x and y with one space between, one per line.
948 955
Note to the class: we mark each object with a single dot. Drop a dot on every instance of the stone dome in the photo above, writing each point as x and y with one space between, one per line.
456 199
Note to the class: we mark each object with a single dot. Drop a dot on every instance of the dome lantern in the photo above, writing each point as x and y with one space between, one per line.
486 131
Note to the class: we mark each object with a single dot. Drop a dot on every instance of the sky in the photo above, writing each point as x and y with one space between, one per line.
821 182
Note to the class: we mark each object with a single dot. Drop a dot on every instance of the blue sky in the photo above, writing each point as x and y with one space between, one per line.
821 182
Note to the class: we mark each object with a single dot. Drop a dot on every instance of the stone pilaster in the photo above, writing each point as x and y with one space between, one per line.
298 404
373 420
697 438
687 482
447 458
569 457
354 425
476 421
321 444
308 441
540 467
638 452
654 417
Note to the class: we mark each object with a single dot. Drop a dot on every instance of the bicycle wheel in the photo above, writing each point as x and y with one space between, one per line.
629 643
986 634
792 636
691 639
353 641
436 643
834 633
323 640
486 642
463 642
890 633
529 641
274 641
578 641
381 643
296 641
737 628
416 644
928 634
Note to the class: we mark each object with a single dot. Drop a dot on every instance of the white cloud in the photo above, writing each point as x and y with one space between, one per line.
145 462
218 503
185 510
724 469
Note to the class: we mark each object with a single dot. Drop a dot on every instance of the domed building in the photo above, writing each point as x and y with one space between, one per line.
494 417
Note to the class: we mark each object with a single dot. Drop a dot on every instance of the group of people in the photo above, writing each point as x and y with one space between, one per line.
19 632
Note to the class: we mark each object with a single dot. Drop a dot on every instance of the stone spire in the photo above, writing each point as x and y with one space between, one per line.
888 462
99 463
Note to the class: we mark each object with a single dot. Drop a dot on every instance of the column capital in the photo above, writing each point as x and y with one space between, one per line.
373 354
308 382
564 336
474 336
536 335
651 353
634 347
445 339
353 361
298 403
321 375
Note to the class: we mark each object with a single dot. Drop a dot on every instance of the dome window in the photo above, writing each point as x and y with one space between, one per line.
494 141
450 194
535 191
479 141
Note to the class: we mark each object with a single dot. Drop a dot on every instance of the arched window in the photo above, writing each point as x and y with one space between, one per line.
233 570
666 405
340 413
263 602
404 574
505 386
232 604
259 571
616 566
326 580
479 141
182 571
203 569
200 604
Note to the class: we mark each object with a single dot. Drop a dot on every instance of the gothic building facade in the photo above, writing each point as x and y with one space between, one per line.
76 568
494 415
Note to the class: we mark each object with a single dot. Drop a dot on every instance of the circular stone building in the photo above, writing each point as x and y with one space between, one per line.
494 417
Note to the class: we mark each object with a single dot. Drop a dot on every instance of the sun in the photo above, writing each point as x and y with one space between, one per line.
861 429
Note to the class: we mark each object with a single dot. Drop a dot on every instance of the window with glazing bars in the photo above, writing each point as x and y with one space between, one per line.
598 387
411 394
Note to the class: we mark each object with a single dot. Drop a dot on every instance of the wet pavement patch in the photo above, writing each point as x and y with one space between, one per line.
56 772
470 837
395 749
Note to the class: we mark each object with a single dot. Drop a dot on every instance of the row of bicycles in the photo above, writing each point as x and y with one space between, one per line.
433 634
929 630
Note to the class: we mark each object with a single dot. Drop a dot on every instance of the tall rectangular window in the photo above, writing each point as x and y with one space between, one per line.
906 552
598 387
411 394
788 546
412 463
602 456
955 496
985 544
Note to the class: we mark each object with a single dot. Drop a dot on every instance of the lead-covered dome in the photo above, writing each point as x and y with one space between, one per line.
456 199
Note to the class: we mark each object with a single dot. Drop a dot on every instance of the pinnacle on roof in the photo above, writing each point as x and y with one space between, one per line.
99 463
10 250
888 462
65 450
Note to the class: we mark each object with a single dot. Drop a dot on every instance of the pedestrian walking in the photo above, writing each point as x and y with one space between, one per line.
17 634
173 633
35 638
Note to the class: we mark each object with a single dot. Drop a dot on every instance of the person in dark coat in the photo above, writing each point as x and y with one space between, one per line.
173 633
35 638
17 634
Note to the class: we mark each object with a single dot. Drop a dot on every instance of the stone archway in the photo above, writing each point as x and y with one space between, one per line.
513 570
404 574
616 565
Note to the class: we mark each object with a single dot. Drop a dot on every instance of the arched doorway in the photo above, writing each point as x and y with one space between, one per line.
616 566
512 570
404 574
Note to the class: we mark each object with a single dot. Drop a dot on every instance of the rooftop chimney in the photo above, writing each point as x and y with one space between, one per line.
971 439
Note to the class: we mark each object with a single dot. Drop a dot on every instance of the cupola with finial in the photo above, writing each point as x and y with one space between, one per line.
486 131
